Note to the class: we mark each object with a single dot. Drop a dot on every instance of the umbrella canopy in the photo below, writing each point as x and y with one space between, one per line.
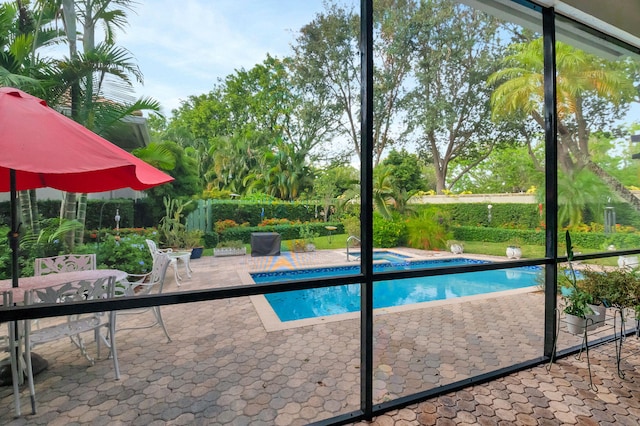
47 149
42 148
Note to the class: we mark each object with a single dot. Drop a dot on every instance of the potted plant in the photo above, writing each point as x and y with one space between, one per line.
605 290
193 241
513 249
578 313
307 235
297 246
172 233
576 299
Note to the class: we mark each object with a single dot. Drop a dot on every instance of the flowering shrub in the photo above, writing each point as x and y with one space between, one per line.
223 225
275 221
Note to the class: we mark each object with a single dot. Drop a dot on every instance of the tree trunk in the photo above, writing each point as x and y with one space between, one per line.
615 185
68 212
34 211
81 216
25 210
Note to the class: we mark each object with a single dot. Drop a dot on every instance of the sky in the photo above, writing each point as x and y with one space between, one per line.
184 47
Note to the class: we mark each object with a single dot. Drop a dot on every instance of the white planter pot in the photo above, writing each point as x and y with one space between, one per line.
514 252
597 319
456 249
575 325
310 247
229 251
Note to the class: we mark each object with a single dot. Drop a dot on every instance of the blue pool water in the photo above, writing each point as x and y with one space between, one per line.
300 304
384 255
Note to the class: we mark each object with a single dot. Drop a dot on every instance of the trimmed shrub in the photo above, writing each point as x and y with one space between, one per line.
211 239
388 233
287 232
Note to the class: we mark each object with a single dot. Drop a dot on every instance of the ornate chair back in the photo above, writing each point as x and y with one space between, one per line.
64 263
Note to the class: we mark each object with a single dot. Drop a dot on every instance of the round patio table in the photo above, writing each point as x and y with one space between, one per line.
180 257
52 280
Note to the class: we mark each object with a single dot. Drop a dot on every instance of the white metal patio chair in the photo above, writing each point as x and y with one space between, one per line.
64 263
173 261
10 344
151 283
72 326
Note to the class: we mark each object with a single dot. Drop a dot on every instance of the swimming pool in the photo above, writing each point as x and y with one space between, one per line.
383 255
301 304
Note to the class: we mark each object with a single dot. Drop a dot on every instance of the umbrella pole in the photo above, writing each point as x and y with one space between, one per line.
15 229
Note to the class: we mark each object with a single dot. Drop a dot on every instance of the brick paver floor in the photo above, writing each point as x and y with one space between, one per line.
228 363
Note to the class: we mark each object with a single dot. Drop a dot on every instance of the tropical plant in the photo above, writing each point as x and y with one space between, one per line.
383 191
332 183
351 225
428 230
50 240
171 231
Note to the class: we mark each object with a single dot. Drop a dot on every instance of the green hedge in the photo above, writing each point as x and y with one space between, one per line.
287 232
250 212
591 240
521 216
96 209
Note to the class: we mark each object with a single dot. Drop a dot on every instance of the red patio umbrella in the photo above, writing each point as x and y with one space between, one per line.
42 148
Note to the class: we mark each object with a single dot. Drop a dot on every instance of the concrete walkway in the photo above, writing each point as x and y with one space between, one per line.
223 366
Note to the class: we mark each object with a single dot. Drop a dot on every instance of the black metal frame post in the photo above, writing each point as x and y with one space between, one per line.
366 208
551 179
14 233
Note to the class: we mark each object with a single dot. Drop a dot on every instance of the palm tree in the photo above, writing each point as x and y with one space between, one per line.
234 159
383 190
98 78
21 34
586 87
574 194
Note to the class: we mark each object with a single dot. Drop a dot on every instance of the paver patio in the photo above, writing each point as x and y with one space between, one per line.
224 367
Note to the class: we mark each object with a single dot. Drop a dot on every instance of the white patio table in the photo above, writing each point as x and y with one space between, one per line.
52 280
181 257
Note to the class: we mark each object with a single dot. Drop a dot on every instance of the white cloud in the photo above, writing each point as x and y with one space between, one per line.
184 47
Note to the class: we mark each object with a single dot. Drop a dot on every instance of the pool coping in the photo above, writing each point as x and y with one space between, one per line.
271 321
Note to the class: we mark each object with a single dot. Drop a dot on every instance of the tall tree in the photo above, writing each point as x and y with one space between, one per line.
507 169
258 118
457 49
327 54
